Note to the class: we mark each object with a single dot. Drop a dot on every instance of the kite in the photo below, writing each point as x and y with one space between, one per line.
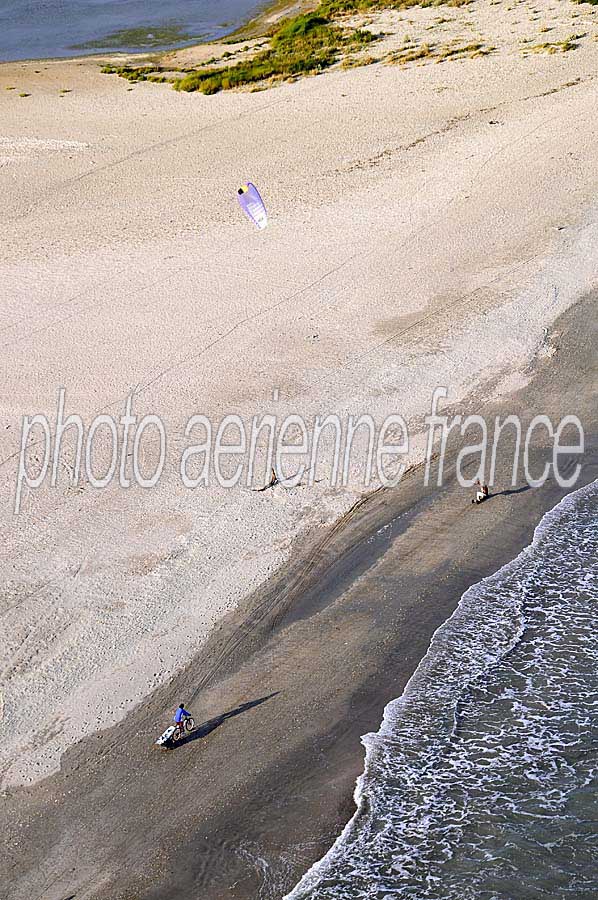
253 205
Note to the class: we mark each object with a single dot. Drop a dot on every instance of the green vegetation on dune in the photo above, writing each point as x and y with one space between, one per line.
332 7
570 43
304 44
309 43
134 73
299 27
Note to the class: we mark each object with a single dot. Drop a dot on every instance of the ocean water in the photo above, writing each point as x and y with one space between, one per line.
36 29
482 780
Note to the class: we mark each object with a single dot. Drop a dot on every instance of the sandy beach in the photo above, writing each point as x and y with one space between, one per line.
431 223
286 688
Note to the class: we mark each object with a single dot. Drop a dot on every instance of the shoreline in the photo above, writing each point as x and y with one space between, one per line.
252 27
294 679
398 717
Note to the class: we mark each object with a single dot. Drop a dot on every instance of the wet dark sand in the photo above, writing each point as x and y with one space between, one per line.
287 686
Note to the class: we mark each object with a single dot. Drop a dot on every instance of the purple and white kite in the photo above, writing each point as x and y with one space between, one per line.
253 205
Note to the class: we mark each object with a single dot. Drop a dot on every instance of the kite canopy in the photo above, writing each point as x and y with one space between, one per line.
253 205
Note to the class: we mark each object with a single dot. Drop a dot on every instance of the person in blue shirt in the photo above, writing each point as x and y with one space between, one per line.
179 717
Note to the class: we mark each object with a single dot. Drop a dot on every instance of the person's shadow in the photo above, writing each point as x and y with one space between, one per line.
526 487
212 724
521 490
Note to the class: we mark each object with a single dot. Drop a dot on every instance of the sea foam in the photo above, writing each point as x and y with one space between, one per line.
479 781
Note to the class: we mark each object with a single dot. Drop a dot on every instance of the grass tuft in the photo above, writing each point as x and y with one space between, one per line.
354 62
570 43
431 53
410 54
133 73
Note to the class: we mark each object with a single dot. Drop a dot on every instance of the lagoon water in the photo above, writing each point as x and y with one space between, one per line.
481 783
37 29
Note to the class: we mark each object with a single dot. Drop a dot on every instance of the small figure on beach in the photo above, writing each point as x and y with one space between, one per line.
179 717
183 723
272 483
482 492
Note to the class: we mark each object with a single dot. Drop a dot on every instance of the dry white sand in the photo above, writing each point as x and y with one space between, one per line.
427 223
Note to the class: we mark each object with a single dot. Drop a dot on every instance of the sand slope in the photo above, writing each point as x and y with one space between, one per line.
427 223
